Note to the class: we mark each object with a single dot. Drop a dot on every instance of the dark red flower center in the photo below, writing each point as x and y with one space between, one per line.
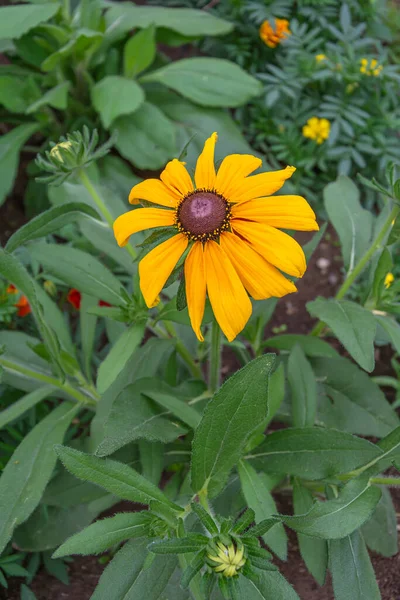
203 215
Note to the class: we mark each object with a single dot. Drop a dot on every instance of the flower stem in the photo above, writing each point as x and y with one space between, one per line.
215 358
63 386
102 207
362 263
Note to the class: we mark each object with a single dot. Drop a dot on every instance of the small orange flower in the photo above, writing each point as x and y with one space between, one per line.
273 36
22 304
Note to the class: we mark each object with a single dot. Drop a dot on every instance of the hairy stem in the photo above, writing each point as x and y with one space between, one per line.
215 358
76 394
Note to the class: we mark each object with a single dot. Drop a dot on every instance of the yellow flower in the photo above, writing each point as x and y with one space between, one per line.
231 229
388 280
370 67
228 560
320 57
317 129
273 36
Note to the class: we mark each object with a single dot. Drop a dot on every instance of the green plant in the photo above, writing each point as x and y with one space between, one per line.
64 70
322 69
134 396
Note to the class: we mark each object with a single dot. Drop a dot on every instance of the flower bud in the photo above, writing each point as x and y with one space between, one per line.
226 559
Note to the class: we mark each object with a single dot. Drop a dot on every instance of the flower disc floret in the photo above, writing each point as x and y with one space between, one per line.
203 215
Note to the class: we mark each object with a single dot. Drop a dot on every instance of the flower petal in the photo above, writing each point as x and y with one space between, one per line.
157 266
229 300
276 247
260 185
234 168
283 212
176 178
204 175
260 279
195 280
153 190
139 219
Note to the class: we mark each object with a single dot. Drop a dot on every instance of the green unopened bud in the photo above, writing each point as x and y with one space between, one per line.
57 151
70 155
228 560
50 287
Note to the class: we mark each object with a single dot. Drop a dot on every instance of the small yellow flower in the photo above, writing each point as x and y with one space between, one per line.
370 67
272 36
320 57
388 280
228 560
317 129
226 227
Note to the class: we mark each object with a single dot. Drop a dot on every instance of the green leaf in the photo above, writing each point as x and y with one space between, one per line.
16 93
146 138
353 401
152 460
228 421
384 266
81 44
312 453
55 319
22 405
380 532
206 519
115 477
193 542
311 346
303 387
114 96
10 146
48 222
29 469
57 97
146 409
79 270
186 21
208 81
392 328
139 51
314 552
353 325
258 497
103 534
26 593
353 576
50 526
12 270
130 577
352 222
17 20
276 393
266 585
119 355
337 518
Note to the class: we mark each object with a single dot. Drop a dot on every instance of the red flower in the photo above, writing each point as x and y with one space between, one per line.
102 303
74 297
